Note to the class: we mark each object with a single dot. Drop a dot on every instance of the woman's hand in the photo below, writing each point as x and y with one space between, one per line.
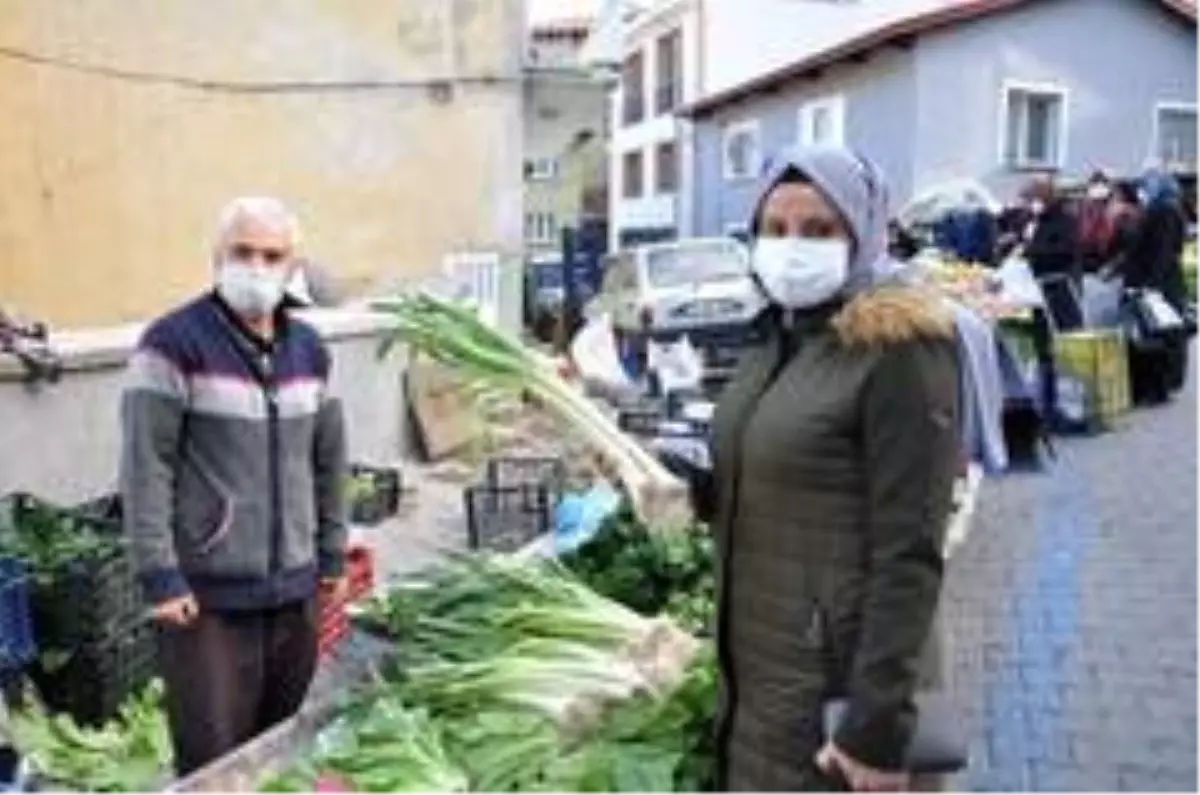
861 778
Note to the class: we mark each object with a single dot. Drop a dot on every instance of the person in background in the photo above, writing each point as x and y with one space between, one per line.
1097 230
1155 257
232 467
1125 213
835 449
1050 247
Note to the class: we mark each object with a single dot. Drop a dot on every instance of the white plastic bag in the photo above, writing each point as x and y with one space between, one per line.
1101 302
678 365
1018 285
594 354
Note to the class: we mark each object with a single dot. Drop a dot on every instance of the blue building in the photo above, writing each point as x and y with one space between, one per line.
991 90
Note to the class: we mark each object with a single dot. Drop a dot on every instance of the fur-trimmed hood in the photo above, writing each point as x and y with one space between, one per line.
893 314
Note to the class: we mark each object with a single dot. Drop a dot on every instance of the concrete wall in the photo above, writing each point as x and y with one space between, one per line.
879 98
112 180
1134 55
62 441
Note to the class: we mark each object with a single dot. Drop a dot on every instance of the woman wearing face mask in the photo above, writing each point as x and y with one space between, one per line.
1097 230
835 447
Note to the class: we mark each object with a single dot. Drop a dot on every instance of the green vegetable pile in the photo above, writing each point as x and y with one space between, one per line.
516 677
48 538
132 753
652 572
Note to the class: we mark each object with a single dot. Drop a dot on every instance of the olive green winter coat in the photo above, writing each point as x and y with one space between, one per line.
835 451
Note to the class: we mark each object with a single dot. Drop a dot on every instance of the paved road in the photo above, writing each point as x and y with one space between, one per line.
1072 615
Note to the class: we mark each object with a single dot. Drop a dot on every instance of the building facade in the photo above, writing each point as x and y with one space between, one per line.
566 127
394 129
993 90
650 145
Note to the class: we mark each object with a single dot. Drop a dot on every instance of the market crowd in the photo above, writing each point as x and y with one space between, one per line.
1108 236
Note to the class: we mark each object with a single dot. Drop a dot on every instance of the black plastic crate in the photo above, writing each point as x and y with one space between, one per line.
528 471
80 598
92 682
641 422
381 499
17 646
506 518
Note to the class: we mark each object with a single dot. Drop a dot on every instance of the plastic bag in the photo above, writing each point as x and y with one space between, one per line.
1101 302
1018 285
594 354
679 366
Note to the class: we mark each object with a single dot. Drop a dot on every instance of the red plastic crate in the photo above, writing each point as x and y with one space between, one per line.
334 619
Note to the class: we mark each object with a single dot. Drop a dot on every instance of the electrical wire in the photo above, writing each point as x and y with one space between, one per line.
248 87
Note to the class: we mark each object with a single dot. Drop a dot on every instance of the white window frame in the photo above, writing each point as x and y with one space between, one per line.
541 227
836 105
1064 124
542 169
1159 107
752 128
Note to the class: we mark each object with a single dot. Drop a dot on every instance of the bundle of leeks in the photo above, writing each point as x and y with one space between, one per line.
455 336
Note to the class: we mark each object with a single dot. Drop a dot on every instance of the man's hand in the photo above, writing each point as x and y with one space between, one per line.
832 760
335 589
179 612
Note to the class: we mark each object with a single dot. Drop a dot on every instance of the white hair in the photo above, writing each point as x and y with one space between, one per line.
264 209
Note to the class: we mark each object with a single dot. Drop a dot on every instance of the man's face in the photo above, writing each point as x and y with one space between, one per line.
252 242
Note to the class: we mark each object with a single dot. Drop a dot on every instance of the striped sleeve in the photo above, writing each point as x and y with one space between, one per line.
152 410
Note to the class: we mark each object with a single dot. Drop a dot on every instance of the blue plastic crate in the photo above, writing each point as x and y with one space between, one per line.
17 647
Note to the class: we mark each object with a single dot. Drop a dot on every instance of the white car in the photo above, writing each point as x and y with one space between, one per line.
699 287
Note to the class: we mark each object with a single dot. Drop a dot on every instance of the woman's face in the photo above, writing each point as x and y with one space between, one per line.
800 210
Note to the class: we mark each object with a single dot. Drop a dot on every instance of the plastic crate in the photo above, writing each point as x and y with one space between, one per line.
506 518
98 677
641 422
384 499
80 600
17 647
528 471
360 572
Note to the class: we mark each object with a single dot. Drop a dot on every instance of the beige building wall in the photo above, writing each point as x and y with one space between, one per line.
394 129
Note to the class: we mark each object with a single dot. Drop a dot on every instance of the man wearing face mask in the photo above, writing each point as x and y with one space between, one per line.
232 467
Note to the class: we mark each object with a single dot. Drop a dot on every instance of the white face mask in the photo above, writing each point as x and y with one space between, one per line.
1037 207
798 273
251 290
1098 192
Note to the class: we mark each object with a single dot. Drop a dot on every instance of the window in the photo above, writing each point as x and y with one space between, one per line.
1035 127
541 168
742 150
541 227
669 72
1175 135
633 175
633 83
666 167
822 122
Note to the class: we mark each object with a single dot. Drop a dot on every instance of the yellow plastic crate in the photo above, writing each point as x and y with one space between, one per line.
1097 358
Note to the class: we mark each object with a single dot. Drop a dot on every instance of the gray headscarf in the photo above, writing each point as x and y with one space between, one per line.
858 189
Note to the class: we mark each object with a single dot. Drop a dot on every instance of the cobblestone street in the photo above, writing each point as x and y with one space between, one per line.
1071 612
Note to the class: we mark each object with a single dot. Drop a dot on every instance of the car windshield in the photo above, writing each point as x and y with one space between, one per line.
678 266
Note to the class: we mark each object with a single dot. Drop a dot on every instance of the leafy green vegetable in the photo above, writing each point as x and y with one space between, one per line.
652 572
129 754
390 749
